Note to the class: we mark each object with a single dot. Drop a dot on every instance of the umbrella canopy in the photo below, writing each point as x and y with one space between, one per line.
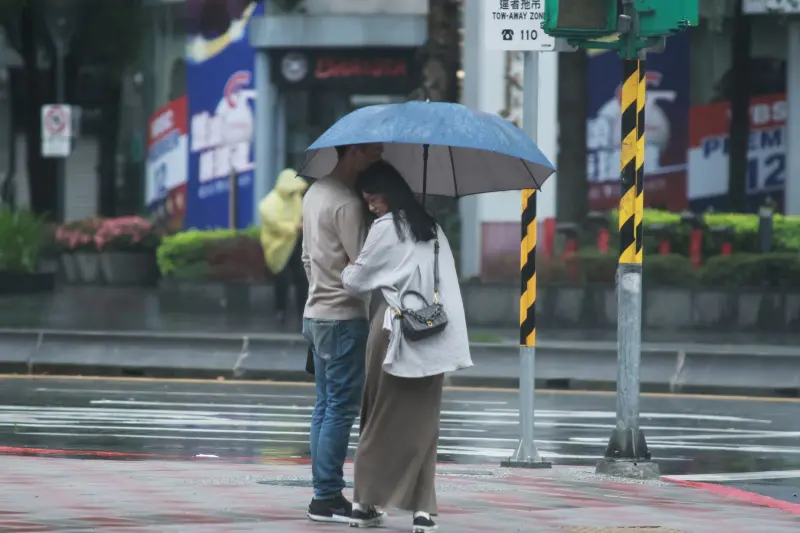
470 152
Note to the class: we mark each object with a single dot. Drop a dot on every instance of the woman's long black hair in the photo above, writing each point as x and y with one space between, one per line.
409 215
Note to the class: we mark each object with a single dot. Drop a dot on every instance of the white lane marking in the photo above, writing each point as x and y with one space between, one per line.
756 435
597 443
310 398
189 417
220 431
153 416
676 445
740 476
447 450
486 413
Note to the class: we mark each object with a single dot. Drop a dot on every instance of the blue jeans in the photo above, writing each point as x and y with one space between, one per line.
339 359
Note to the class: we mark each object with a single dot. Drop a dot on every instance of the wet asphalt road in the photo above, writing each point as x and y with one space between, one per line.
687 435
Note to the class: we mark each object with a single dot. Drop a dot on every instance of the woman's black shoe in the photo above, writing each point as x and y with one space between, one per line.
423 524
369 518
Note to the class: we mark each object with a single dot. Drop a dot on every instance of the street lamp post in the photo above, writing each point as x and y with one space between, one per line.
60 18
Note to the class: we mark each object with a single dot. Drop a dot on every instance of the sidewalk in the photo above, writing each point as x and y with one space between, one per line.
209 496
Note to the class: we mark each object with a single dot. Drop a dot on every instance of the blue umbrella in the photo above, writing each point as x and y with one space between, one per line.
464 151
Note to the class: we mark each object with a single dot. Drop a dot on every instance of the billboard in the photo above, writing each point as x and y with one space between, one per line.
221 90
666 133
166 168
708 153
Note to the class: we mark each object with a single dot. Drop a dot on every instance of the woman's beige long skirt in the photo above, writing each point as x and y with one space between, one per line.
395 464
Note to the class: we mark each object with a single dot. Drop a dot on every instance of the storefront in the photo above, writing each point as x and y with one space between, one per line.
313 69
319 86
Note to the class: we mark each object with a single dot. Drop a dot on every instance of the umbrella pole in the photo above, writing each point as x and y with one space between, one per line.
425 148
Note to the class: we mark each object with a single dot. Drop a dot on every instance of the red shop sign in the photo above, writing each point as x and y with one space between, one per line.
329 67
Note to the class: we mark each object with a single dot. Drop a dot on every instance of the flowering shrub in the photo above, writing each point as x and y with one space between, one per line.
127 234
107 234
78 236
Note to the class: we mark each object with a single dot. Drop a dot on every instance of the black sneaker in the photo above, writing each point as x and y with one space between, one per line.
369 518
337 510
423 524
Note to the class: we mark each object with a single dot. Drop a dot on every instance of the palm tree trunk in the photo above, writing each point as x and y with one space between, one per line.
572 188
440 60
41 172
440 55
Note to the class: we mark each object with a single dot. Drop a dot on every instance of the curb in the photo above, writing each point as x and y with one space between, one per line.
738 494
673 368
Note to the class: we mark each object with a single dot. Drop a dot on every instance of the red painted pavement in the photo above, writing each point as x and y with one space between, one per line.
743 495
58 494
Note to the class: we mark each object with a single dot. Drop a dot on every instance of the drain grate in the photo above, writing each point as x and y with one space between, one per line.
622 529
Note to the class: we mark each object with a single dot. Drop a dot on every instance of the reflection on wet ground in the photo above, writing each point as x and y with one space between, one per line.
687 435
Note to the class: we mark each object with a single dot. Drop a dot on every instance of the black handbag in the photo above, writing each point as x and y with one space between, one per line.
430 319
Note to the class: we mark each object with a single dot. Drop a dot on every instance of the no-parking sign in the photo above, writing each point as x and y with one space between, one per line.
56 130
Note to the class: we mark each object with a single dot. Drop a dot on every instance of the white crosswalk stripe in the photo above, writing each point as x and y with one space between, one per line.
481 429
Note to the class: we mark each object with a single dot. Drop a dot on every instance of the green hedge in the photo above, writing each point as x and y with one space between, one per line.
786 232
202 255
780 269
236 256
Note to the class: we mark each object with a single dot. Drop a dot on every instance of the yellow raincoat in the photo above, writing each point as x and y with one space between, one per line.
281 211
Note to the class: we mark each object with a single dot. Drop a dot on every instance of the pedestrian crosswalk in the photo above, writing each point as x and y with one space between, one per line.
474 427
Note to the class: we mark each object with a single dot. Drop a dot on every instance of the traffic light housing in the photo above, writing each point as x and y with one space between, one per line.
596 19
581 19
665 17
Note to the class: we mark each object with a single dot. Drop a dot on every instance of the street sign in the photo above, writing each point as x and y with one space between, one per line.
760 7
56 130
516 26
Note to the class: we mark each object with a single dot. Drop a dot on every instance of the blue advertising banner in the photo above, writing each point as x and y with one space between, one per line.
221 92
667 126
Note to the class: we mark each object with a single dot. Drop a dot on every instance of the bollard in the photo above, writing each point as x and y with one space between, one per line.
722 237
233 200
568 234
765 218
549 237
662 232
598 223
696 224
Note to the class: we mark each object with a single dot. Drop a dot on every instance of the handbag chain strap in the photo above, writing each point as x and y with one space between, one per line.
436 268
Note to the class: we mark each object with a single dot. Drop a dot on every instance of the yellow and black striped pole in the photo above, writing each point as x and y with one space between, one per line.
527 456
627 454
527 268
627 202
641 100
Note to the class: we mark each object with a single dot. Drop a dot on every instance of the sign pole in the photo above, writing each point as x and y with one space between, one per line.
527 456
627 454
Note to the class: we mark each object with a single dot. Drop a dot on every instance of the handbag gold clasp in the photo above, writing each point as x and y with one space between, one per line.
429 323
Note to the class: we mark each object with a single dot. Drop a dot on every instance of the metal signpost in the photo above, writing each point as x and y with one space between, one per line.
639 25
60 17
514 27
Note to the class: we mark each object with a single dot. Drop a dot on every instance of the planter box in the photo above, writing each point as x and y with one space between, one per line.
187 297
129 268
68 268
20 283
88 267
594 307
